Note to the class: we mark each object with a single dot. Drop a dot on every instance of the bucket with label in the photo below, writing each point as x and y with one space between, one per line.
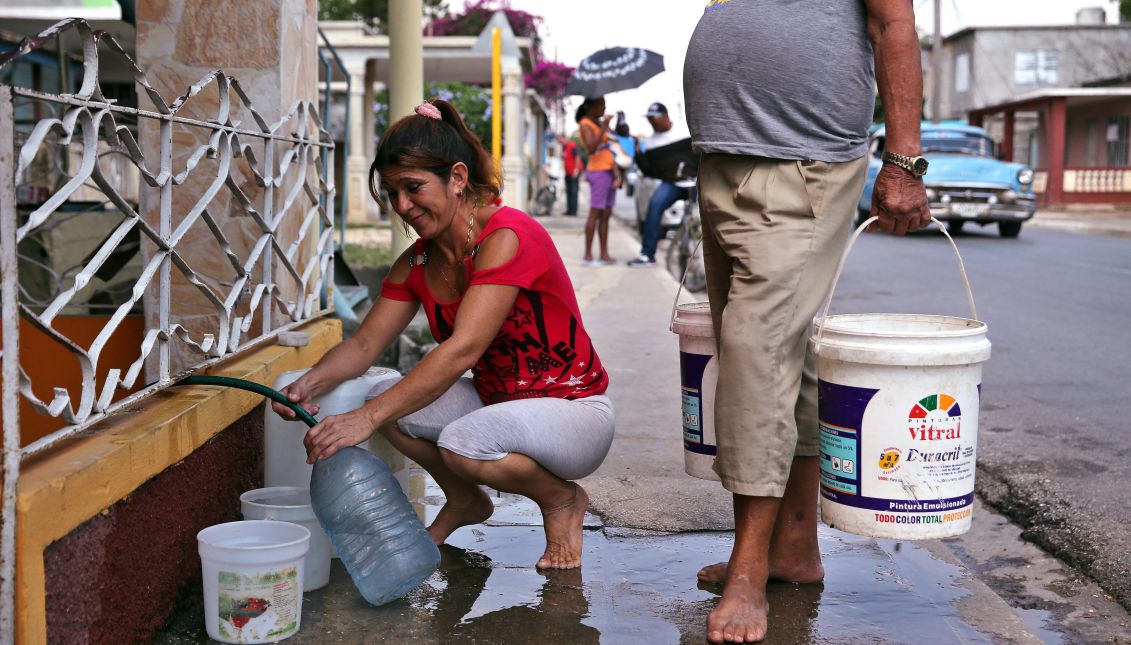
292 504
898 399
699 373
253 573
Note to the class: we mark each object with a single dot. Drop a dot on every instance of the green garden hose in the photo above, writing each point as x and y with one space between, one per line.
252 386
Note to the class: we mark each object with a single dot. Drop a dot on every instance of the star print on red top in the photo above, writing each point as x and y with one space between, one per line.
542 349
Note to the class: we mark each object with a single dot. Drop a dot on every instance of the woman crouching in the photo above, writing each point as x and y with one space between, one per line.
533 415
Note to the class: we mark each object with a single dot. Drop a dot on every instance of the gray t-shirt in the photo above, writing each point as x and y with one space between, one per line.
787 79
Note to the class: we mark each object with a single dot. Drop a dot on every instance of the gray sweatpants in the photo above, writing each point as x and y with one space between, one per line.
569 438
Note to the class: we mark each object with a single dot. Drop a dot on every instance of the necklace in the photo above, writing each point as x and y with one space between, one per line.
466 245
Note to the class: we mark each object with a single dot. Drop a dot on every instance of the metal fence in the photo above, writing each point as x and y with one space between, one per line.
118 211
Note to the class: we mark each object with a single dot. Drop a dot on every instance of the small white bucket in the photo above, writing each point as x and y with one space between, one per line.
898 403
292 504
699 373
252 580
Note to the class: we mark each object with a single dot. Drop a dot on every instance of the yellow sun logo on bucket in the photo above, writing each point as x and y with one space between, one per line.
889 459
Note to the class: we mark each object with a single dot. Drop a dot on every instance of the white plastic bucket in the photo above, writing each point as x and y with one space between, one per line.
699 373
284 456
898 403
252 580
292 504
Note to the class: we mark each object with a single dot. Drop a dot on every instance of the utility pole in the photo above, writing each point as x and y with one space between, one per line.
936 64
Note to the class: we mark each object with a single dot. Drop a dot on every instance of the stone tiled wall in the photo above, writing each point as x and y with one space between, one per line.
270 46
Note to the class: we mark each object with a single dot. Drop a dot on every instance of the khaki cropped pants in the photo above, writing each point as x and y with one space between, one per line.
773 233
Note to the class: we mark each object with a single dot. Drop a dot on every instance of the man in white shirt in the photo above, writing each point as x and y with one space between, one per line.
667 156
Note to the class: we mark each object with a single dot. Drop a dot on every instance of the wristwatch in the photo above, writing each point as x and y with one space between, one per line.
917 166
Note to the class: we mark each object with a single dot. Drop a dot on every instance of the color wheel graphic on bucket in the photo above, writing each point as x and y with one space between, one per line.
935 402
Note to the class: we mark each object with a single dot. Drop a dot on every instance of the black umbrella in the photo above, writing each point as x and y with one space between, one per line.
614 69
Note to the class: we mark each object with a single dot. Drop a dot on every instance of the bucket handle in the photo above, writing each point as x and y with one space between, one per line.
675 303
844 257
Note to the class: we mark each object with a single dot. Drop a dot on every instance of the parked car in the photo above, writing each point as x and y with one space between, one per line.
965 181
672 217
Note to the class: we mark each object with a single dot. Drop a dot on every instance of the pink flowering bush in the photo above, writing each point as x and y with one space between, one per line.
549 78
476 16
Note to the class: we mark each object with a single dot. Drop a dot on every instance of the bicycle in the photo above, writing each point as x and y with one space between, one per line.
545 197
685 257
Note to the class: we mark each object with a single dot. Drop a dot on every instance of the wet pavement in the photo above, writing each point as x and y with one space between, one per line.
640 586
652 527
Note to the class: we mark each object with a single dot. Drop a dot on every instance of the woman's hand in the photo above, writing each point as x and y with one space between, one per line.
300 393
337 432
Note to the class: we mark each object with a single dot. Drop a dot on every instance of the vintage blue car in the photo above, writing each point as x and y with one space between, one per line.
965 181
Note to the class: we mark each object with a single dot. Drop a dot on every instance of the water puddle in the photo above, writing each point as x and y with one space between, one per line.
635 586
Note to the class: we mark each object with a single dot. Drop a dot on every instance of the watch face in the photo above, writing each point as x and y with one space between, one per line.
920 166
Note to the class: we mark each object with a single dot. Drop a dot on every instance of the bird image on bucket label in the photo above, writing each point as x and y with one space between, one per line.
259 606
909 464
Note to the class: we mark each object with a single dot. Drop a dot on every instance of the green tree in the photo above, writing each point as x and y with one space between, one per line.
373 12
1124 10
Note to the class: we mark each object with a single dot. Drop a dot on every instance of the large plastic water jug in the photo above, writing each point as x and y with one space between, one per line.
283 453
378 537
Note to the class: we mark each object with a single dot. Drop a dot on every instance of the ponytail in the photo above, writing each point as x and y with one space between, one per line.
435 145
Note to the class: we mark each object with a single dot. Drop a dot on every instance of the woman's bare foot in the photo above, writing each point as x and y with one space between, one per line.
474 509
563 526
792 570
741 614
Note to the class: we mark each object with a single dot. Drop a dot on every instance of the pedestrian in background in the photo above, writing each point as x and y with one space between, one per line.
601 174
779 99
572 169
667 156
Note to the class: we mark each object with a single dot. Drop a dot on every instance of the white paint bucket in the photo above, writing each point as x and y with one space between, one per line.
898 397
699 373
252 580
292 504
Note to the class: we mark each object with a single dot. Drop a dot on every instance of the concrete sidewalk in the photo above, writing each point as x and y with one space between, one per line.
1098 220
653 527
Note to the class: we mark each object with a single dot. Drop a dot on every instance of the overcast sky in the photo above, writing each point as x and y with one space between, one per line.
575 28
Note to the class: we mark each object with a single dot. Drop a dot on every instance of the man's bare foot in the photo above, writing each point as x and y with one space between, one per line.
563 526
476 508
801 571
741 614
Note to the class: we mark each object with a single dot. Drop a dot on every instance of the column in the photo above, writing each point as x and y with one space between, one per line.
1007 136
406 80
368 119
357 191
514 165
1055 116
271 46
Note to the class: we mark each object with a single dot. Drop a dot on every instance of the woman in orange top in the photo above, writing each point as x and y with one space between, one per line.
601 173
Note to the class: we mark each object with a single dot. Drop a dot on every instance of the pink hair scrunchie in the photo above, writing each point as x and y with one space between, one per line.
428 110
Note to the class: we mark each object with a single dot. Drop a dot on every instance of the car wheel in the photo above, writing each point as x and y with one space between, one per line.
1009 229
954 226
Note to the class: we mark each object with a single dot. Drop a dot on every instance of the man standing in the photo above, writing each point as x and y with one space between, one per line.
779 97
572 168
667 156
